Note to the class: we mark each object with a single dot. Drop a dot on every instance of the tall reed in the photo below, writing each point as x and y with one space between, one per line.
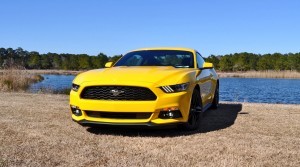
262 74
14 79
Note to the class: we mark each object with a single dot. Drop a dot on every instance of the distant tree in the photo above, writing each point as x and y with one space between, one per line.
3 52
45 62
297 55
95 62
99 60
253 59
226 63
73 62
263 63
56 60
21 57
34 61
84 62
10 58
281 63
65 61
290 61
295 61
2 56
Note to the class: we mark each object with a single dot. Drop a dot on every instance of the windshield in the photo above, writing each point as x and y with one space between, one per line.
177 59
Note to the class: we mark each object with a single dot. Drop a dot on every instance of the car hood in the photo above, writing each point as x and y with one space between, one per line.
125 74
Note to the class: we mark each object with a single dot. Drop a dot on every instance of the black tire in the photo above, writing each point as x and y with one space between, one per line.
194 116
215 103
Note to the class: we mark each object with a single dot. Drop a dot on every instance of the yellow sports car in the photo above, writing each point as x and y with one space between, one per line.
151 87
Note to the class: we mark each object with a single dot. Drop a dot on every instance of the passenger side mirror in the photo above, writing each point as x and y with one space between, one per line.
207 65
108 64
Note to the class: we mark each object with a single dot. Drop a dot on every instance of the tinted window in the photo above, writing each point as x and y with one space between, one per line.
200 60
178 59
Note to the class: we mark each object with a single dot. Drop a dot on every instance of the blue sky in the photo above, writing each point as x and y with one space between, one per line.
117 26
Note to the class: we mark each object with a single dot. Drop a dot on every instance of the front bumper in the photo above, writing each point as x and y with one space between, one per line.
181 100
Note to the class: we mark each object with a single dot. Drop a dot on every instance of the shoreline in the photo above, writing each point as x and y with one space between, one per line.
246 74
261 74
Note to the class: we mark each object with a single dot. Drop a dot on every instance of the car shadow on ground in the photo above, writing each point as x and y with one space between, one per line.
213 120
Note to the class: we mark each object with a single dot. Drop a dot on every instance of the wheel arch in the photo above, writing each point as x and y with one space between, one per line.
217 84
197 87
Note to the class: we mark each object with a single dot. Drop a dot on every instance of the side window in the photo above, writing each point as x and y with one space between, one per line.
200 60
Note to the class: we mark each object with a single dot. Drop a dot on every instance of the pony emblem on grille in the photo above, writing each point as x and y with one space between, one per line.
116 92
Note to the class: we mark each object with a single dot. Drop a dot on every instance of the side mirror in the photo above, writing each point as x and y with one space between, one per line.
207 65
109 64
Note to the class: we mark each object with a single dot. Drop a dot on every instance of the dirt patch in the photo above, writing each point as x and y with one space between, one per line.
37 130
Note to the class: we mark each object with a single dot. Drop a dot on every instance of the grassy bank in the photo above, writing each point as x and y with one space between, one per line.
17 80
55 72
246 74
36 130
261 74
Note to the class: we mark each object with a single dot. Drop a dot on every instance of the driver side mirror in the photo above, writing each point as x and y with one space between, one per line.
109 64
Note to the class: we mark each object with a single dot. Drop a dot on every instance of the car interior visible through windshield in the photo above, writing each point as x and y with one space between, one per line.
177 59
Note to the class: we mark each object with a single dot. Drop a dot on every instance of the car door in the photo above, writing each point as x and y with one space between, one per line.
204 80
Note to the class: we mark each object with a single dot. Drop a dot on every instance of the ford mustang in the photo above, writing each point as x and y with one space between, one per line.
151 87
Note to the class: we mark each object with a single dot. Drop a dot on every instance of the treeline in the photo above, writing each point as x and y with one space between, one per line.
34 60
231 62
256 62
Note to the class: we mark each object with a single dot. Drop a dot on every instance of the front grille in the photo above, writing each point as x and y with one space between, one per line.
128 93
118 115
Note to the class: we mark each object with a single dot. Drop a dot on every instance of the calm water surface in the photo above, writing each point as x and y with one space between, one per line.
53 83
256 90
260 90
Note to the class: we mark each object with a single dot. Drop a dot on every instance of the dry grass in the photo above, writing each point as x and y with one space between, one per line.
261 74
36 130
247 74
17 80
57 72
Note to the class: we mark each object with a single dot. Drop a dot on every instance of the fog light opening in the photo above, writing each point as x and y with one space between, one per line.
170 113
76 111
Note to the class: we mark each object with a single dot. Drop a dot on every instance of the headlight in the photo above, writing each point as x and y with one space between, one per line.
75 87
175 88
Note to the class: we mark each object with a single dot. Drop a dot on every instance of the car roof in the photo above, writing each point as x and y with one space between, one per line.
166 48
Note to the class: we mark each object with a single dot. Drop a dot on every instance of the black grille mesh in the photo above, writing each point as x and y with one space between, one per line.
126 93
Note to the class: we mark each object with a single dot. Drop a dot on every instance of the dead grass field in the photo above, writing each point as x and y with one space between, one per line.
36 130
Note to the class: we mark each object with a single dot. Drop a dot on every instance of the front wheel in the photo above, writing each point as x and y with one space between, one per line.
195 114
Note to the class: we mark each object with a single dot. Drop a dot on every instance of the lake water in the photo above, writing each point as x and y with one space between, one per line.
258 90
54 83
